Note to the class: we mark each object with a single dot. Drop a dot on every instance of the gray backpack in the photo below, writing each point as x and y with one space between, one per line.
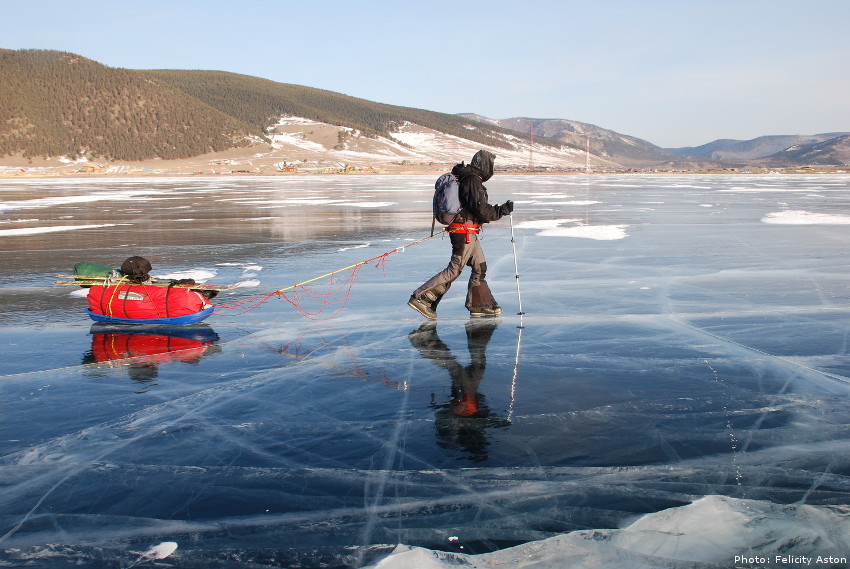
446 203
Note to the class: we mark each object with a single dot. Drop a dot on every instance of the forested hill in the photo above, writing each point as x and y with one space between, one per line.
60 104
55 103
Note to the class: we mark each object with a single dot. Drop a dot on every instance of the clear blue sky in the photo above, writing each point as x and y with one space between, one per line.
673 72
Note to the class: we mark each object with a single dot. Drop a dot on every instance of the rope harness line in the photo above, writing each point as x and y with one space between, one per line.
336 296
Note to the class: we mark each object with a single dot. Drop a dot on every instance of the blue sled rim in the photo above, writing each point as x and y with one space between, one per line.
174 320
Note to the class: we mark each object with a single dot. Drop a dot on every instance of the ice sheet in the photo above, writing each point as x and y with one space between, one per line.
677 397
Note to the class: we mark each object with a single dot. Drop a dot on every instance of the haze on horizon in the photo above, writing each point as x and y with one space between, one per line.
673 72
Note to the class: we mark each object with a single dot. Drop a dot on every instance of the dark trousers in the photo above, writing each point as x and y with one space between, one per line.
464 254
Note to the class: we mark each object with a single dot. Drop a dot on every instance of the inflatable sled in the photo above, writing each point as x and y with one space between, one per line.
147 304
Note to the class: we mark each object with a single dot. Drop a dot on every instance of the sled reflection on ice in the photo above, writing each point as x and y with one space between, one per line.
142 349
462 423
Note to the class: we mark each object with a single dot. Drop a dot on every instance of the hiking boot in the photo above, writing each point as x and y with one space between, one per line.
485 311
422 307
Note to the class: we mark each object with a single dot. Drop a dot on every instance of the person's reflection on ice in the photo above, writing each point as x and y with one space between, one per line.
461 423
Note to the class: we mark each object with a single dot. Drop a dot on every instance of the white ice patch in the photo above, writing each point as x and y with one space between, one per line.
368 204
799 217
162 550
78 199
555 228
52 229
760 189
251 269
573 202
287 202
156 552
28 220
597 232
714 531
199 275
545 223
361 246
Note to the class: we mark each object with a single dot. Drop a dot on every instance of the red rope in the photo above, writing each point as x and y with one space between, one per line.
336 296
324 299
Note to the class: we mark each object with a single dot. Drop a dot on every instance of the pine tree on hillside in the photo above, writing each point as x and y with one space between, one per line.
56 104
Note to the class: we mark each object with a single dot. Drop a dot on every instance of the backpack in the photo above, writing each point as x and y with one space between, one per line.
136 269
446 204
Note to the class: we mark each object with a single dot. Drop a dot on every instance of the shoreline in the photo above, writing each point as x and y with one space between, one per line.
139 174
235 163
15 172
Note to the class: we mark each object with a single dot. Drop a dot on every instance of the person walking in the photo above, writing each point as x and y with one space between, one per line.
466 249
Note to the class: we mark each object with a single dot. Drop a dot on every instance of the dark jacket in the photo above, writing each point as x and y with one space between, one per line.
473 195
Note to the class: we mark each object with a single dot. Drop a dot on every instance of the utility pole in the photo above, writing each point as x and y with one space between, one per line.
531 148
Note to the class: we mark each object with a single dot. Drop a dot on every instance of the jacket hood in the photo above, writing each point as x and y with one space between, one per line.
483 162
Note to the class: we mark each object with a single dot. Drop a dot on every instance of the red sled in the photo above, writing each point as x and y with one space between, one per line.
147 304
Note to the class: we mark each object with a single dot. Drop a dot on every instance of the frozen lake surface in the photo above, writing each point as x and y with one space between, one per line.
678 395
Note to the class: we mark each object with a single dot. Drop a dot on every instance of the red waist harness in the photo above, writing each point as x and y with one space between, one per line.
465 228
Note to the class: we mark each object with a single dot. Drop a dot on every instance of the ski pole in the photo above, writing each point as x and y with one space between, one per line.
516 272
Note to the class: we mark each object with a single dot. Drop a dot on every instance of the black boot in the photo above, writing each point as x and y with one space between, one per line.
426 305
422 306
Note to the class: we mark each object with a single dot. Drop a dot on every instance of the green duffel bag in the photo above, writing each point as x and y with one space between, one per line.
86 270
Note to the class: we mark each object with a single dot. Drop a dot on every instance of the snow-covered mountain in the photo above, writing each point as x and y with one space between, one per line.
628 151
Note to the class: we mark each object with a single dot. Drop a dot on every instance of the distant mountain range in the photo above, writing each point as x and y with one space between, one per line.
625 150
58 104
770 146
770 151
834 151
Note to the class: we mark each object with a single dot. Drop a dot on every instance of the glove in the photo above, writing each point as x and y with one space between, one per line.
507 207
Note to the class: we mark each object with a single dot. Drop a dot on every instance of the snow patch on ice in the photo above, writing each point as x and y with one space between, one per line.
286 202
757 189
573 202
136 195
597 232
361 246
53 229
250 269
161 551
545 223
367 204
738 528
555 228
199 275
800 217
